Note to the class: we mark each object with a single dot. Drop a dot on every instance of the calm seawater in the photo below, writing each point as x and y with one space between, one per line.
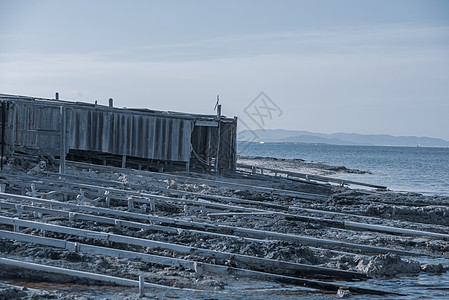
406 169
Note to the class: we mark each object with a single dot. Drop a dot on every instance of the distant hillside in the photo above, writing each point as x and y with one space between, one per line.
294 136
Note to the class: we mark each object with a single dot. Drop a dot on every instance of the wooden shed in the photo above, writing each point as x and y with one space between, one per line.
110 135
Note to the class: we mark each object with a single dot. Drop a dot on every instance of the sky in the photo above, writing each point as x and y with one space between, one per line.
357 66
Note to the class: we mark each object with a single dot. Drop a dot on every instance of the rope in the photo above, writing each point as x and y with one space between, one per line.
201 160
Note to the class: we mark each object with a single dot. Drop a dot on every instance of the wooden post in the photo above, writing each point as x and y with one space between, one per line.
63 140
141 286
57 96
3 132
208 138
123 161
218 137
111 102
234 145
199 270
188 162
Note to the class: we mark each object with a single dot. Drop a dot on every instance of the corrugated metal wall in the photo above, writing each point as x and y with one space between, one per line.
129 134
4 122
35 125
108 131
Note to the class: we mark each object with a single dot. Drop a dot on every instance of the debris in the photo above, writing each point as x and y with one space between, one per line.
12 293
432 268
39 168
388 265
343 292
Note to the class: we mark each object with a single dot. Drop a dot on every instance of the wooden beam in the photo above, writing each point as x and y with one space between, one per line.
311 177
196 180
208 268
252 233
279 267
250 211
79 274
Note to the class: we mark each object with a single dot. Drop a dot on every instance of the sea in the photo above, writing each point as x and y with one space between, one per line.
422 170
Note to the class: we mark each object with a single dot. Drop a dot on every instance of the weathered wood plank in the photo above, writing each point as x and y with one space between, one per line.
311 177
79 274
208 268
252 233
275 266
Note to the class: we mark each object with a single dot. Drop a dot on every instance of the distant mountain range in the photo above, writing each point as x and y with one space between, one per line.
294 136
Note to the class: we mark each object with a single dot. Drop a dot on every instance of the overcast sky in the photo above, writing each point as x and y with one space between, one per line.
327 66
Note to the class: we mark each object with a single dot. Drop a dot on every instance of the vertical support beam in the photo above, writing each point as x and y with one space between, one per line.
123 161
108 199
3 131
14 128
218 137
33 191
63 114
141 286
234 145
130 205
188 165
208 138
199 269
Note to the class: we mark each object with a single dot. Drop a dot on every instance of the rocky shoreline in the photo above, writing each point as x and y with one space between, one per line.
298 165
292 215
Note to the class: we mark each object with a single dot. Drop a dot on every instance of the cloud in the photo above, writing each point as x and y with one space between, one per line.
393 39
379 39
376 79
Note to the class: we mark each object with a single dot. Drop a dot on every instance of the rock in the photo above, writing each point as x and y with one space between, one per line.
123 178
388 265
432 268
210 284
40 167
72 256
48 253
12 293
343 293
